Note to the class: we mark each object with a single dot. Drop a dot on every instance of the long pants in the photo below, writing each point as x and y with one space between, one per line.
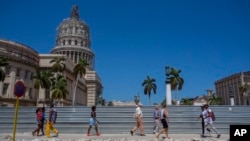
211 127
157 125
203 127
50 126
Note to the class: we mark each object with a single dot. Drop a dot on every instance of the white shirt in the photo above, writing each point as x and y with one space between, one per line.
207 118
138 111
162 113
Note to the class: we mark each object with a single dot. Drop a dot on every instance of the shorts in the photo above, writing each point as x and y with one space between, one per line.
164 123
92 122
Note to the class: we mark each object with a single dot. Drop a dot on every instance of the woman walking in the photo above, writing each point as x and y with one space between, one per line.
38 121
164 121
93 122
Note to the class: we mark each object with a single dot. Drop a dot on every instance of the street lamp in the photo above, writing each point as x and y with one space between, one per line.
231 96
99 100
168 86
137 99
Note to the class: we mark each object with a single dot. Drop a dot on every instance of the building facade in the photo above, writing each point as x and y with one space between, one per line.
73 43
23 63
230 87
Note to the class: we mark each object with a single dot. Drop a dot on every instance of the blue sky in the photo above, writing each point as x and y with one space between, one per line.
131 39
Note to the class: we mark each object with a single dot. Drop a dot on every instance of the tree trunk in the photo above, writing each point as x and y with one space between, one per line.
74 94
176 96
149 100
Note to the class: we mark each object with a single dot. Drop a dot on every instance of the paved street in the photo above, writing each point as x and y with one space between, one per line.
112 137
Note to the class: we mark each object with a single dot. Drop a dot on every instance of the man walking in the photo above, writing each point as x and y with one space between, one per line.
51 121
208 121
157 114
139 122
201 116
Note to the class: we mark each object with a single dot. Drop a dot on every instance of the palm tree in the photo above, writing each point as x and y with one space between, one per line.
176 81
43 80
214 100
59 88
243 89
58 64
186 101
149 84
163 102
3 63
79 71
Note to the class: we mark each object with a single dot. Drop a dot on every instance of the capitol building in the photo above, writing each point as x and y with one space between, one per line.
73 43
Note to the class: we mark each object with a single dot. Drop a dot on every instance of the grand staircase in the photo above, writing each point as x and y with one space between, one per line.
119 120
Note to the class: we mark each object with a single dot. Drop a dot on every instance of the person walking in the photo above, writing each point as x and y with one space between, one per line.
139 121
51 122
157 114
43 120
164 121
38 121
201 116
93 122
208 121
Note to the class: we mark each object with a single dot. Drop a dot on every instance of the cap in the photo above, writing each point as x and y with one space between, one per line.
139 104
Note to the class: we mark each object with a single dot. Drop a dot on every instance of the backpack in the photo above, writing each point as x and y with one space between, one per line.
212 116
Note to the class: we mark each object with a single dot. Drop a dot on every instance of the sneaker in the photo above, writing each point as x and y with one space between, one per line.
218 136
208 130
89 134
98 134
203 136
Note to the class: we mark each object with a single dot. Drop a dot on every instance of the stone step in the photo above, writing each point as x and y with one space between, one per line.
119 120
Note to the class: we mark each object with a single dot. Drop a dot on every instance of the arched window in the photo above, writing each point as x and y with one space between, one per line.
63 42
76 42
69 42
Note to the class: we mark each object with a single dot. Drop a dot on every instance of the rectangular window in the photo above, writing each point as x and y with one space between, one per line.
30 93
7 70
18 70
26 74
5 88
31 75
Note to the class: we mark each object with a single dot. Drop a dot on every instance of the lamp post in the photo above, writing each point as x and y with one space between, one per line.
137 99
231 96
99 100
168 86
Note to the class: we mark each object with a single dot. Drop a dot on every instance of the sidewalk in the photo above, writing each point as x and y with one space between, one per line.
112 137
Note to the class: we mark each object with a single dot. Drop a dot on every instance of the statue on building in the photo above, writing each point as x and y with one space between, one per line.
74 12
100 100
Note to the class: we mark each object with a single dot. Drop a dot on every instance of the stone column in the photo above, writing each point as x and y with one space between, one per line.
168 94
